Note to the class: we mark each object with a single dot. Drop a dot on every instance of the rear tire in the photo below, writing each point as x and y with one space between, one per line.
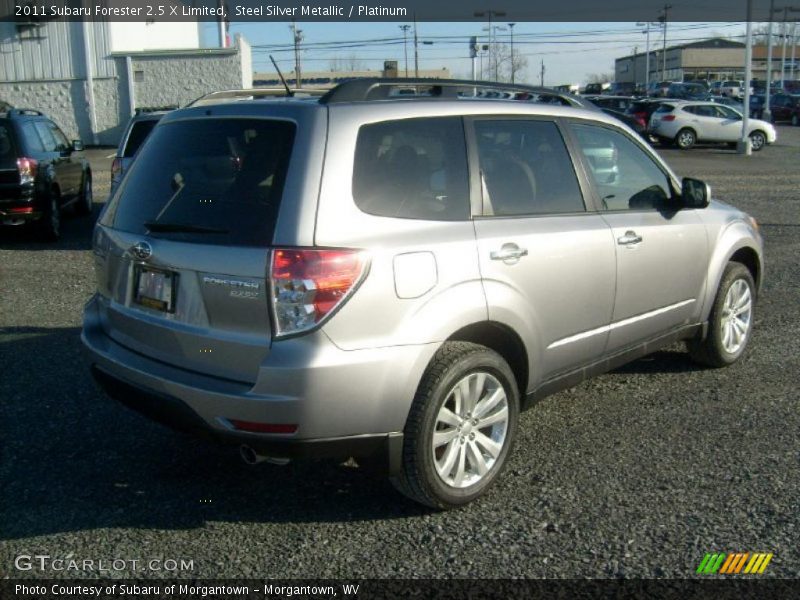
449 458
50 223
85 204
685 139
730 324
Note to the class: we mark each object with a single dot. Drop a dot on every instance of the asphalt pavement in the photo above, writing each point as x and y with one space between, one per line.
637 473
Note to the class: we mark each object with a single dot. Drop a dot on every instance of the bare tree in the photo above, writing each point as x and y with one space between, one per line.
501 66
599 77
351 62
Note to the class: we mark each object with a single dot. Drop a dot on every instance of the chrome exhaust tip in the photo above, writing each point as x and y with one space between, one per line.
251 457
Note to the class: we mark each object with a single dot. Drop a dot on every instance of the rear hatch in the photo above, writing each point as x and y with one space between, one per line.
182 251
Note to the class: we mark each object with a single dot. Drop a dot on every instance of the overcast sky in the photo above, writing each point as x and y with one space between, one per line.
570 51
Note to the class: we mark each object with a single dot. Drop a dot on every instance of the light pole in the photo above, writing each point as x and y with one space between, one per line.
514 67
646 55
744 143
416 49
664 19
405 29
767 112
489 14
494 50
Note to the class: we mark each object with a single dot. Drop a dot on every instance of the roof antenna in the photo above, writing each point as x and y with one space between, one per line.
289 92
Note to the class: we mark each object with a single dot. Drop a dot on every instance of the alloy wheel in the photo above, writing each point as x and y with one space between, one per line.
470 430
736 317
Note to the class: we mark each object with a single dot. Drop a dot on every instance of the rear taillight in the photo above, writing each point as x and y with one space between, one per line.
668 118
116 168
307 285
641 121
27 168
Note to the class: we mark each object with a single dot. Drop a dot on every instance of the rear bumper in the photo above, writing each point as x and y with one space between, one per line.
175 413
344 403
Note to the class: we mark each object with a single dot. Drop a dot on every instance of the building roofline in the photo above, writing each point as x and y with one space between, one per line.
177 52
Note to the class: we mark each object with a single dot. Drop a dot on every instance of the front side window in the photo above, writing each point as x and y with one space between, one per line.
626 178
62 144
412 169
525 169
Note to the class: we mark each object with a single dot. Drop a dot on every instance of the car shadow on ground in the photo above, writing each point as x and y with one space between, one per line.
663 361
74 460
76 233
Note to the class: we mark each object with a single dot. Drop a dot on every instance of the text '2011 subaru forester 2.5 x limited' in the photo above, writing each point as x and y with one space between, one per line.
398 268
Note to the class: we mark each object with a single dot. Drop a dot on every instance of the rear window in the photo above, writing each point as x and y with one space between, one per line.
221 178
413 169
139 132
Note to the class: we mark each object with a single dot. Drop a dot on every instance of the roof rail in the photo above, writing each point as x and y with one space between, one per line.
359 90
254 94
151 109
21 112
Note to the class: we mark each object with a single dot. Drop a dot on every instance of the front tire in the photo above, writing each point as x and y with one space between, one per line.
685 139
757 140
731 322
461 426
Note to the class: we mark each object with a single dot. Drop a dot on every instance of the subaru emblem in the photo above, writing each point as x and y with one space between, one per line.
142 250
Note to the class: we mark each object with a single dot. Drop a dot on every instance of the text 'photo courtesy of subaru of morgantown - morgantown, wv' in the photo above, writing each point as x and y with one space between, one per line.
394 270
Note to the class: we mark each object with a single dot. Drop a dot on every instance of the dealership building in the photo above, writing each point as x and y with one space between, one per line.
712 59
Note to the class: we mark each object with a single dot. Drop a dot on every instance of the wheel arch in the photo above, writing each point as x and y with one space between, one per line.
503 340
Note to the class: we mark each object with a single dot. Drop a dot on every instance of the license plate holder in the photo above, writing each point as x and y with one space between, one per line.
155 288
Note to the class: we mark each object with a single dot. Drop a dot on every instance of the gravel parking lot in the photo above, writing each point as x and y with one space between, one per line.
637 473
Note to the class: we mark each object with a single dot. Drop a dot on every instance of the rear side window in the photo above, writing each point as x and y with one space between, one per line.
139 132
665 108
6 144
525 169
32 140
412 169
214 181
48 139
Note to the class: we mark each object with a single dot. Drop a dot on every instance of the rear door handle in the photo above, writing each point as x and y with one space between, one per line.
631 238
508 252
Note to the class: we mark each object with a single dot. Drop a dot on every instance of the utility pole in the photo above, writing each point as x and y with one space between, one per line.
664 19
416 49
783 55
794 46
541 74
514 66
297 34
405 29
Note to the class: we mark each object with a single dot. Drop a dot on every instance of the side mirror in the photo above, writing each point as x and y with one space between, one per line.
77 146
695 193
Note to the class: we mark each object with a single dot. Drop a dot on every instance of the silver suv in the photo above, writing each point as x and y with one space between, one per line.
395 277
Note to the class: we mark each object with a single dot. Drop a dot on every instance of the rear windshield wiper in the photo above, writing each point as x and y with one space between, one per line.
181 228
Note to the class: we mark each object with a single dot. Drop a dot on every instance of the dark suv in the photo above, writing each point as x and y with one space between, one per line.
41 172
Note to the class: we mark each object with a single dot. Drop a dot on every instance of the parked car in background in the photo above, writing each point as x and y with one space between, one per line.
137 131
636 123
732 102
784 107
733 88
714 88
685 123
620 88
643 108
396 277
595 88
687 91
41 172
619 103
658 89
